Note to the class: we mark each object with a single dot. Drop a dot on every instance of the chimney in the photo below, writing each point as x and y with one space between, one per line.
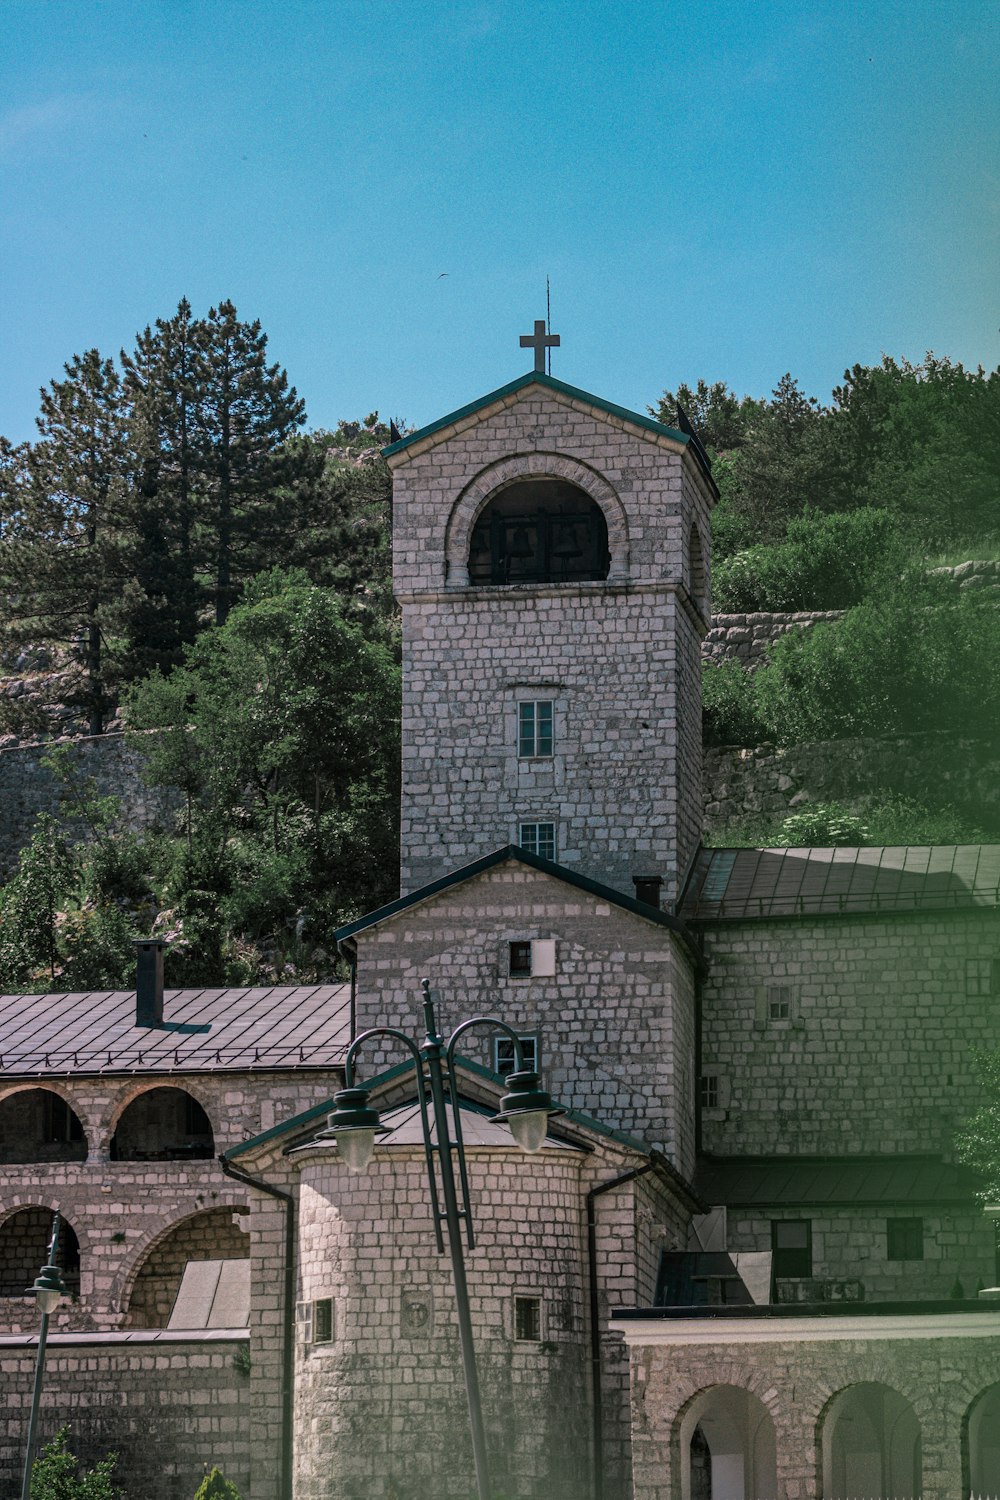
647 889
149 982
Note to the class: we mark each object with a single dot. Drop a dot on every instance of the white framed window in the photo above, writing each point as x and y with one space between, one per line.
322 1320
779 1002
709 1090
534 728
982 977
504 1060
531 958
538 838
528 1320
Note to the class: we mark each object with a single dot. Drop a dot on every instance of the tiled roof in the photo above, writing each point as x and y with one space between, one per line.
740 884
815 1181
204 1029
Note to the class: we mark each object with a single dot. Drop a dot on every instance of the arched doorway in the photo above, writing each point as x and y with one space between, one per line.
211 1235
727 1446
871 1445
982 1443
24 1250
539 531
163 1125
38 1125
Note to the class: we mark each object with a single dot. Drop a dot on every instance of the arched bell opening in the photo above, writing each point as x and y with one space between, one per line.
166 1124
871 1444
24 1249
37 1125
539 531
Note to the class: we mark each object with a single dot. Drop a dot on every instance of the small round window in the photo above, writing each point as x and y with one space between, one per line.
539 531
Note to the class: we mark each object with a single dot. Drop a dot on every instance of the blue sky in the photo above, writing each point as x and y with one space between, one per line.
726 190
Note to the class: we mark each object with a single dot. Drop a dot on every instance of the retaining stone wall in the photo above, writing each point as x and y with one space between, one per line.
746 637
170 1409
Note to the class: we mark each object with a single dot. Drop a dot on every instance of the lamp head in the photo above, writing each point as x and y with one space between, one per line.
354 1126
48 1289
527 1109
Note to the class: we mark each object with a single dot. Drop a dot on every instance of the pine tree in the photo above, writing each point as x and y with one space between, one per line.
161 385
246 414
66 558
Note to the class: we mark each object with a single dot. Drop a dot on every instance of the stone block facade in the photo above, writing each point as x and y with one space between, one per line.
614 1025
618 659
171 1407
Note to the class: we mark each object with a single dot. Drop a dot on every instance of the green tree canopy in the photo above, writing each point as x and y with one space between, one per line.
56 1474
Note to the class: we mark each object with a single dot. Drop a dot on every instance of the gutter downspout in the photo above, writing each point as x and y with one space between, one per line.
597 1438
288 1343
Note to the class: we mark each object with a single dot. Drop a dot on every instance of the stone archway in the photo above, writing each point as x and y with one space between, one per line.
728 1446
40 1125
981 1443
525 467
871 1444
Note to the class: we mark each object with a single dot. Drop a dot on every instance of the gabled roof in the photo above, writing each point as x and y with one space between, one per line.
742 884
511 852
646 424
288 1026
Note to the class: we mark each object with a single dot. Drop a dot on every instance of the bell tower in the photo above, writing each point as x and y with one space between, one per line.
549 558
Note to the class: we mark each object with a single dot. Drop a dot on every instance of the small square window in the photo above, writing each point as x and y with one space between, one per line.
504 1060
519 965
539 838
709 1091
322 1321
534 728
791 1247
904 1239
982 977
779 1002
528 1319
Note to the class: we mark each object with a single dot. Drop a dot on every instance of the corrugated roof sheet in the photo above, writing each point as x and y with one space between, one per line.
270 1027
740 884
809 1181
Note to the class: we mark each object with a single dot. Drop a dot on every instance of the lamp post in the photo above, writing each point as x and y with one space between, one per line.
526 1107
48 1289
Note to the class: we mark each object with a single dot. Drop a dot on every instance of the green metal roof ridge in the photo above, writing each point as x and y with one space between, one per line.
534 862
538 377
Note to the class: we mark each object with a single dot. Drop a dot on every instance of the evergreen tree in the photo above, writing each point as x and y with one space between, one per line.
67 556
246 415
161 386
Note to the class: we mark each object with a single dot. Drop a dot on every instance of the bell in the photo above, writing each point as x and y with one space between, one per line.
520 545
566 544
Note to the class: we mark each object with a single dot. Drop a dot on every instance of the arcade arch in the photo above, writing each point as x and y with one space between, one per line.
163 1124
39 1125
728 1449
981 1441
212 1234
24 1248
871 1444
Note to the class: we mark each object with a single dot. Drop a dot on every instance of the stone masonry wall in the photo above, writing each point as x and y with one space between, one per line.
170 1407
795 1379
746 638
876 1056
615 1022
608 654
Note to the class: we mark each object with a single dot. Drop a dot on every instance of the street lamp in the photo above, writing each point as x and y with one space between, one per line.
526 1107
48 1289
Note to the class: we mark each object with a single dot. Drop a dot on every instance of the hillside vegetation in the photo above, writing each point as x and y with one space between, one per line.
176 549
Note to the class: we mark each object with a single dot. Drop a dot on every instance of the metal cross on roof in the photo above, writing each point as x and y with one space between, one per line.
540 341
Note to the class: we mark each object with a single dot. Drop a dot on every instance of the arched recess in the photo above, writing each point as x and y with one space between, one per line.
697 578
981 1444
212 1234
728 1448
163 1124
38 1125
24 1249
871 1444
531 469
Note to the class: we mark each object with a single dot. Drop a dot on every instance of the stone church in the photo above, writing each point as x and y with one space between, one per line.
743 1266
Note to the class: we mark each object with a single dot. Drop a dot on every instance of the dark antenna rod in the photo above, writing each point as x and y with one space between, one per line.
548 322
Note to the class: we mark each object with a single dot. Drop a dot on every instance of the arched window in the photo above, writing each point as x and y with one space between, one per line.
539 531
38 1125
24 1250
871 1445
163 1125
213 1235
728 1446
697 580
982 1444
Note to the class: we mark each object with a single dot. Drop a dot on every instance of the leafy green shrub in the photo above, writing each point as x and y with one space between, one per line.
56 1475
216 1486
977 1144
824 562
820 827
730 715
